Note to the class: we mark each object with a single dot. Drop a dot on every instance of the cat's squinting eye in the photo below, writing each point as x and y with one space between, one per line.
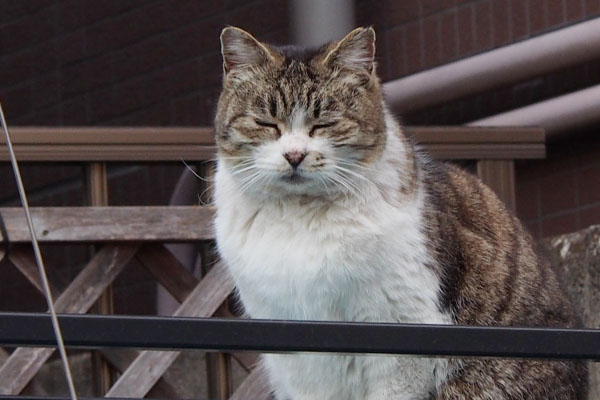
268 125
319 126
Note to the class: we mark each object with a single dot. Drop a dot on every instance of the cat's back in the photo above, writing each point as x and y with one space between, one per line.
495 276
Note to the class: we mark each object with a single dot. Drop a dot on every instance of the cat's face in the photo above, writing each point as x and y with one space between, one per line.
299 122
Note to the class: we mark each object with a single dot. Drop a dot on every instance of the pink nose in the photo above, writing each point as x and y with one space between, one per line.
295 157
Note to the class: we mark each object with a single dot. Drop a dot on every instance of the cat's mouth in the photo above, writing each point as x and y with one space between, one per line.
294 178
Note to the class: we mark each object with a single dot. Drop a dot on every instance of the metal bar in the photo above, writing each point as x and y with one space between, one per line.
91 331
514 63
26 397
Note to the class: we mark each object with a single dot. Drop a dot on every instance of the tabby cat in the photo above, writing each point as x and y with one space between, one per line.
325 211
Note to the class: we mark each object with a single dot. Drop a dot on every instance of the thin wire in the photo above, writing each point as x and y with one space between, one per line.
40 261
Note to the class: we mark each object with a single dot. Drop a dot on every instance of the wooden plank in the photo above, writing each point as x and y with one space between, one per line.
111 224
469 134
22 257
500 176
169 272
469 151
247 360
96 188
197 144
122 358
143 373
255 387
79 296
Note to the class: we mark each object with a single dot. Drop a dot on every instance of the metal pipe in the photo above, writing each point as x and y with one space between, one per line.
315 22
513 63
557 115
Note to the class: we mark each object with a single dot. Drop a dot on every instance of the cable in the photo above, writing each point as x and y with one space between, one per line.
38 257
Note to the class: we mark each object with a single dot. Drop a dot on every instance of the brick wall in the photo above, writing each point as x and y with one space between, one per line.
156 62
556 195
112 62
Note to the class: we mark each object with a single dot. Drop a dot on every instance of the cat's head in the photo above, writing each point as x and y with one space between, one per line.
297 121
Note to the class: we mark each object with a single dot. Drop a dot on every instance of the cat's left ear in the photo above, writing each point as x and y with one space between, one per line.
240 49
356 51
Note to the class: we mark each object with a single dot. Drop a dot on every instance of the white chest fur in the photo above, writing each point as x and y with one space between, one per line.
352 262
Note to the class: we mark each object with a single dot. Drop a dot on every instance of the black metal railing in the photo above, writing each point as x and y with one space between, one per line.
169 333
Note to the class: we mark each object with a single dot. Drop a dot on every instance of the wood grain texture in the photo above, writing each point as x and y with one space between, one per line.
122 358
197 144
111 224
78 297
500 176
255 386
22 257
143 373
169 272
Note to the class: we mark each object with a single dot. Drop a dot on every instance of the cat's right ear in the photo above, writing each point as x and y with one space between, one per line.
241 50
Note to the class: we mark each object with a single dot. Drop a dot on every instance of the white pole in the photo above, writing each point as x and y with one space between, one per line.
557 115
513 63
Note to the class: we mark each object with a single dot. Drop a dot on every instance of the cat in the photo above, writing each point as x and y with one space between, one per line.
326 211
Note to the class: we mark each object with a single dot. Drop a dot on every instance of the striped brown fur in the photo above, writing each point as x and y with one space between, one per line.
493 276
490 271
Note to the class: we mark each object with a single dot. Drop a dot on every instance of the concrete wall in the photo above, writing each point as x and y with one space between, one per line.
577 257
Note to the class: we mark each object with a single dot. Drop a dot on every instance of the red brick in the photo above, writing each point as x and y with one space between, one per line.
483 26
501 22
431 41
28 31
199 38
538 19
574 10
16 101
397 53
561 157
99 72
98 10
589 185
71 47
589 216
534 228
167 15
519 19
466 31
101 106
117 32
560 224
185 76
592 7
556 13
434 6
414 47
70 15
396 12
558 193
252 17
46 90
15 9
73 79
528 200
449 33
158 114
16 67
74 112
143 57
44 57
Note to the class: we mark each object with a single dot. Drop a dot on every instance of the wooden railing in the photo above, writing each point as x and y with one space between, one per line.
125 233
